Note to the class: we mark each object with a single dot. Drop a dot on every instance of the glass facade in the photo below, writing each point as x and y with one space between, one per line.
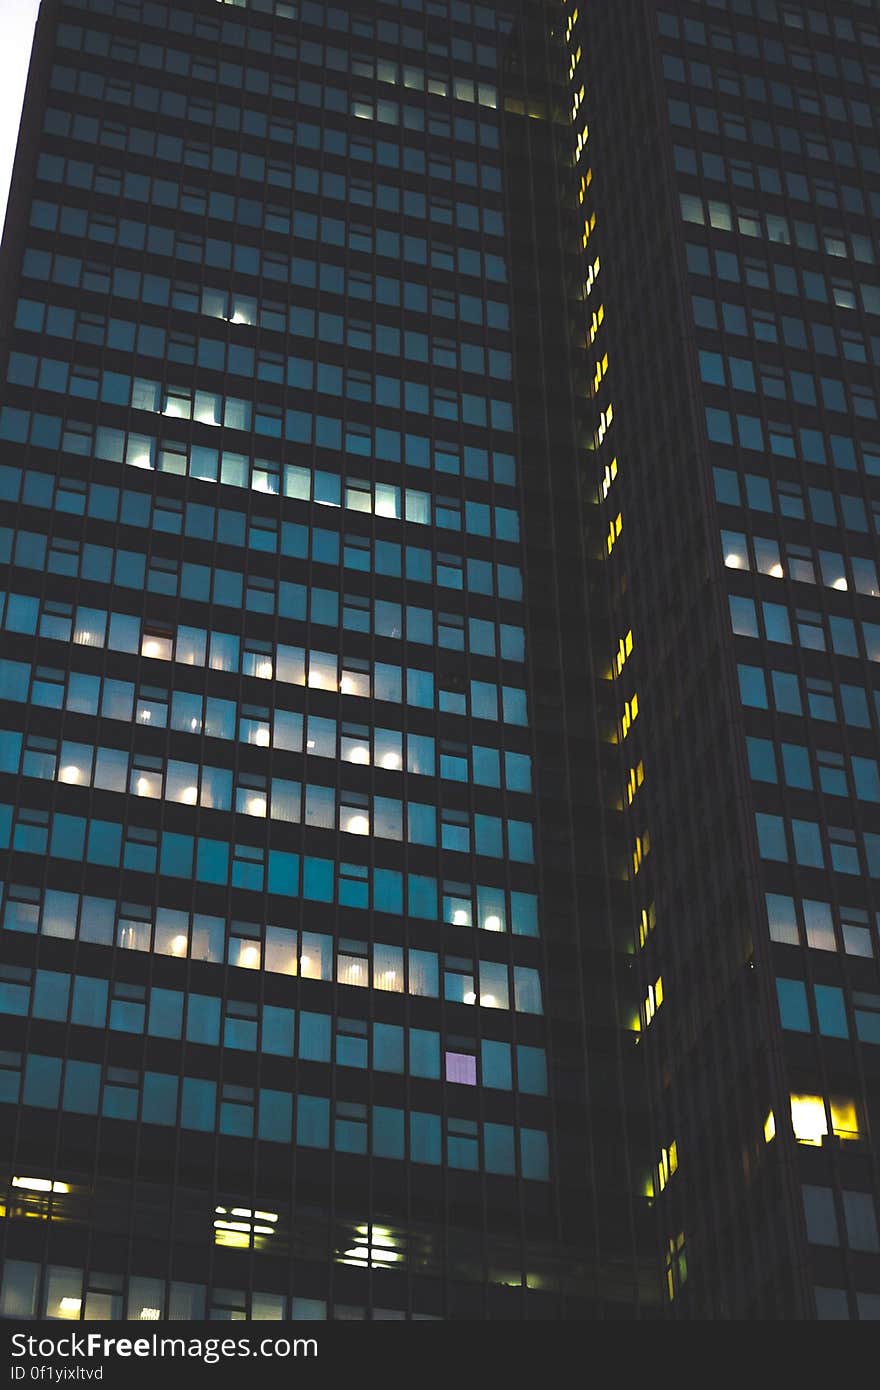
299 964
439 649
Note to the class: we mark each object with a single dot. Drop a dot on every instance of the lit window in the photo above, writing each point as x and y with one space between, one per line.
241 1227
375 1247
810 1118
157 646
461 1068
353 965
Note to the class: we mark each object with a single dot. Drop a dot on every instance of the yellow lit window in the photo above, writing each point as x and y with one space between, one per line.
653 999
667 1165
623 651
608 479
376 1247
770 1128
614 531
597 321
809 1118
630 714
636 778
240 1227
605 421
844 1118
647 922
641 850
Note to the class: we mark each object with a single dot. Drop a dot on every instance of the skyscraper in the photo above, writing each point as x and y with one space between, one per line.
439 755
305 964
733 301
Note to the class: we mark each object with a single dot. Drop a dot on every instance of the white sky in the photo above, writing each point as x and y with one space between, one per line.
17 20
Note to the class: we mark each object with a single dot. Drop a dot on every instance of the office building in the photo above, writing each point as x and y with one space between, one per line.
735 298
439 456
302 951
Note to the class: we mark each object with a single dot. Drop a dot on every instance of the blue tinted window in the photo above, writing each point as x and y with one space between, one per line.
793 1010
831 1011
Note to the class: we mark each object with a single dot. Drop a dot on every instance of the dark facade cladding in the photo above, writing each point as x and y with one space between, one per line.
735 177
439 788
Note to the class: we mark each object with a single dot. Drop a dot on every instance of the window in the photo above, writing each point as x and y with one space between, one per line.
813 1119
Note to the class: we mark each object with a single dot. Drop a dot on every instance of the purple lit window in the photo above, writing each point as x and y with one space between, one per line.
461 1067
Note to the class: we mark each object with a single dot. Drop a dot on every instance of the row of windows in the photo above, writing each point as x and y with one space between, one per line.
214 253
266 534
294 602
224 651
835 703
361 24
320 15
835 774
773 227
800 563
830 1017
198 66
246 866
91 1002
786 280
859 1224
792 386
235 306
303 374
315 15
783 96
273 126
187 1102
275 129
238 470
765 326
822 926
742 173
248 212
814 630
259 795
126 92
813 145
222 165
65 1293
792 499
273 316
195 713
810 101
311 955
815 846
729 40
238 357
809 445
